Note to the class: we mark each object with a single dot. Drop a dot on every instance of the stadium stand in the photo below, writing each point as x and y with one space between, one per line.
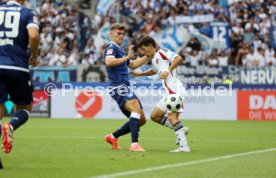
249 21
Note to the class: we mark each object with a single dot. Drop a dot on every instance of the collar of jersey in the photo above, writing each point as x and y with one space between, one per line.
13 2
114 43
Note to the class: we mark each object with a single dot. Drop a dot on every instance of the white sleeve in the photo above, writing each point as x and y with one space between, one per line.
170 55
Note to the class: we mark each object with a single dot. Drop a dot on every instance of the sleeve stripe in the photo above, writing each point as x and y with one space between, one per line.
109 56
32 25
163 56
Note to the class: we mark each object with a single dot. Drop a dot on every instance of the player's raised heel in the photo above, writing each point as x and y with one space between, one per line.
136 147
7 137
112 141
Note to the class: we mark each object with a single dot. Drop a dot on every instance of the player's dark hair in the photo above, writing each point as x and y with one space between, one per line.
146 41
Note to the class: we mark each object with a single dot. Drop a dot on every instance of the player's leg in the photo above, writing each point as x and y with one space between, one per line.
123 130
3 97
159 115
20 90
1 117
135 109
121 95
179 131
112 138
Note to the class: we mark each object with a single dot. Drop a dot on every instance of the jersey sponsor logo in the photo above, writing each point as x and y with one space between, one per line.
157 61
257 105
110 51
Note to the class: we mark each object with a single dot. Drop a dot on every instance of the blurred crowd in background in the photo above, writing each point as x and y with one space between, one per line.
249 20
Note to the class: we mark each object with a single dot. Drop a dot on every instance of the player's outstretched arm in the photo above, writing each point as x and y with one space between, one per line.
177 60
111 61
146 73
34 43
138 62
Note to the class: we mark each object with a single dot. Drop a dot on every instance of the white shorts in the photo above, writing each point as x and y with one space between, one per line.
163 106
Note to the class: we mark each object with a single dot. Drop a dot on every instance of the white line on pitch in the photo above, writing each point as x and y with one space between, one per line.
125 138
132 172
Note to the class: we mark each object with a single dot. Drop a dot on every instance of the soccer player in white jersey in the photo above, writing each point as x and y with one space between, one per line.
164 62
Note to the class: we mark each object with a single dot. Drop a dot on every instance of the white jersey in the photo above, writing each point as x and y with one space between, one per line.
161 62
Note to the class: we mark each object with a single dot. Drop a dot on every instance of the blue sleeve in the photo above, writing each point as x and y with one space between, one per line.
32 19
110 50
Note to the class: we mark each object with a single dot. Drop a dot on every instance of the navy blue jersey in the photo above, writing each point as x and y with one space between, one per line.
14 39
117 75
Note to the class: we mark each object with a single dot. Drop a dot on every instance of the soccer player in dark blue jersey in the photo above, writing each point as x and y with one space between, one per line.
117 63
18 29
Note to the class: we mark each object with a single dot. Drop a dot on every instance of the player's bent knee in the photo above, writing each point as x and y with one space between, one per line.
154 118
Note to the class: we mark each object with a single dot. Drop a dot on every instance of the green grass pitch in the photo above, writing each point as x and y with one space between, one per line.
50 148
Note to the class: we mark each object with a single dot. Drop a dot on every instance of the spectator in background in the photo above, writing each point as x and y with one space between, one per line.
46 39
248 36
247 57
250 22
223 58
269 54
212 60
271 61
259 58
59 59
242 52
43 58
87 58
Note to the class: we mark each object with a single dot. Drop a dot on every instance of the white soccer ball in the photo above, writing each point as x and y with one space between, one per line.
174 102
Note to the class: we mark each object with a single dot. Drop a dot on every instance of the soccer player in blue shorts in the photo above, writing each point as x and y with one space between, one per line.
18 29
117 64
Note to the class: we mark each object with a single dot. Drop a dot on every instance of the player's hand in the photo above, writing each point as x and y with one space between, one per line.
33 61
136 74
164 75
130 53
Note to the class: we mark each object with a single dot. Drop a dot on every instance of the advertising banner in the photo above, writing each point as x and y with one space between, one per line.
256 105
195 74
212 106
54 74
92 104
41 104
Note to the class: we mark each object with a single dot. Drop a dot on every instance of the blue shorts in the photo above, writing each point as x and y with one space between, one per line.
16 84
121 94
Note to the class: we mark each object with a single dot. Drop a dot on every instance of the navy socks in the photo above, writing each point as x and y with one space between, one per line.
133 126
125 129
19 118
134 121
